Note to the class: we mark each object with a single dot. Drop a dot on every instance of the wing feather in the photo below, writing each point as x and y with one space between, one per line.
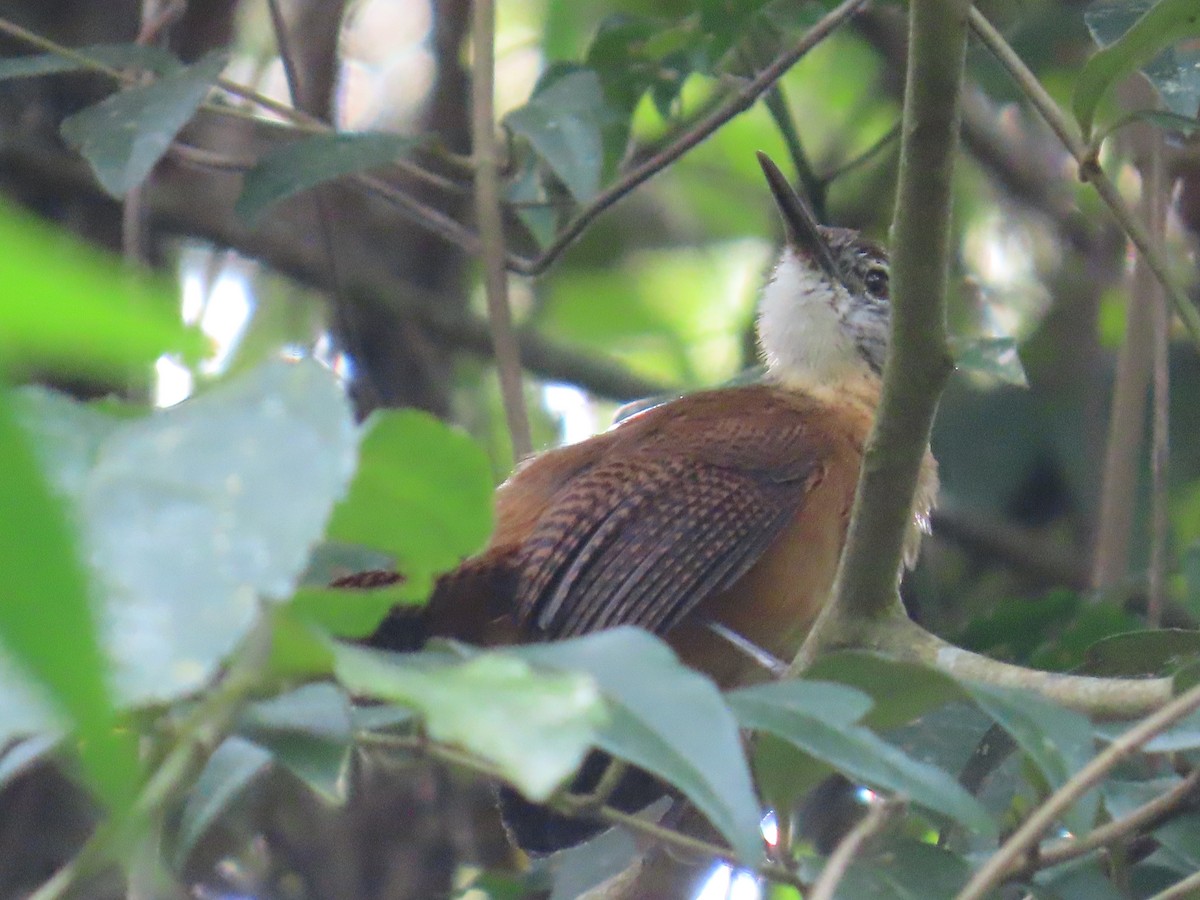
644 540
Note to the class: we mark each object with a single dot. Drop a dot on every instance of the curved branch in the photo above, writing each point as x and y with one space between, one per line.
1108 698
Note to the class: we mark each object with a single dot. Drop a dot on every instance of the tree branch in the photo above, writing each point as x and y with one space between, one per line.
738 103
491 224
1089 169
850 846
1147 816
1109 698
992 872
919 360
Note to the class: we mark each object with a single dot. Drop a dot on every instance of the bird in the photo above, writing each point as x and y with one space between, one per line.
715 520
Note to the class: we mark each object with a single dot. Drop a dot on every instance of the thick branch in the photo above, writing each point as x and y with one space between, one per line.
1106 698
919 359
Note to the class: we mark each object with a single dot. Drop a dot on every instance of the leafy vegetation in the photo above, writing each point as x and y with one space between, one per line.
169 644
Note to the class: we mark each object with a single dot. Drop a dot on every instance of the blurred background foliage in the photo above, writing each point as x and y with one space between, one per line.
656 297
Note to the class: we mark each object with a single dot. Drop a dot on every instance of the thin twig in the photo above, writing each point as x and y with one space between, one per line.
855 161
582 806
12 29
1089 169
738 103
491 225
154 26
849 847
1127 408
994 871
205 726
1160 526
1148 815
299 120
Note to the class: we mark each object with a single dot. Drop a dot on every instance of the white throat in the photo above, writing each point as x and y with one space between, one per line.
800 330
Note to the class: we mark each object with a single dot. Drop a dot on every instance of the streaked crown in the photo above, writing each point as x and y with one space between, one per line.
825 314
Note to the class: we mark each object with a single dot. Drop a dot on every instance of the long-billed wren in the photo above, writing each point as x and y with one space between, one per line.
727 507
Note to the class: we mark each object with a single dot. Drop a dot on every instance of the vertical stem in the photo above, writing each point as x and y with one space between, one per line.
919 359
1154 186
491 224
1127 411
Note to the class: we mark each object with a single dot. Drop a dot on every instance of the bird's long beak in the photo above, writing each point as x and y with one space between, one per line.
800 227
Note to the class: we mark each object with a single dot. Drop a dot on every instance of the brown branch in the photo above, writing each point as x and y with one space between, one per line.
1160 526
994 871
491 224
849 847
1145 818
736 104
1089 169
1126 422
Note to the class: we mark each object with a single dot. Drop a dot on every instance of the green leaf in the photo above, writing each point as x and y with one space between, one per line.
48 626
1142 653
784 774
382 718
422 494
668 720
232 766
191 515
116 56
1122 797
308 730
563 122
860 754
1174 72
901 691
304 164
835 703
905 869
995 358
124 136
1167 22
298 648
1182 837
536 727
1161 119
70 308
1058 741
529 199
348 612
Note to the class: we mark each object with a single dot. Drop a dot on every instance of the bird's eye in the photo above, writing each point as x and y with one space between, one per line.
876 282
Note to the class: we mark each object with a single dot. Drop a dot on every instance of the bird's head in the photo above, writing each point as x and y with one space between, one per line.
825 313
